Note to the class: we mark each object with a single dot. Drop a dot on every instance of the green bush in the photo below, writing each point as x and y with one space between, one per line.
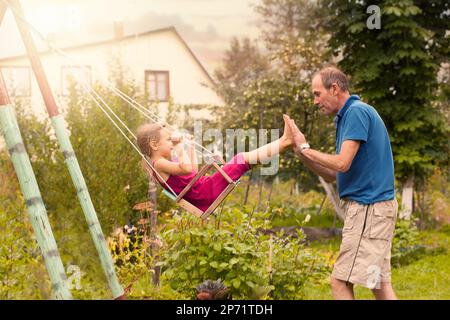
22 271
131 254
234 249
406 243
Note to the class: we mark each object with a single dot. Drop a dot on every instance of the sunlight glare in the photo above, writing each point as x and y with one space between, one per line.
52 19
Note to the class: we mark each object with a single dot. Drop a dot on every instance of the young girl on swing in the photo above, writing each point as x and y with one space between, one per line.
157 144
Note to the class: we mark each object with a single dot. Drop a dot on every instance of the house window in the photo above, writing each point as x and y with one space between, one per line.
18 81
157 85
80 76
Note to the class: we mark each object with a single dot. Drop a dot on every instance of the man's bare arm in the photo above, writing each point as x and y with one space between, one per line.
338 162
328 174
325 165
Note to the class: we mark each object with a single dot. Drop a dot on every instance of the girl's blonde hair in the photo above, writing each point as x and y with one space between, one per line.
146 133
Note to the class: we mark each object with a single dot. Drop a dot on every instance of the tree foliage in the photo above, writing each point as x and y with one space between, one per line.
278 79
22 271
111 168
396 70
251 263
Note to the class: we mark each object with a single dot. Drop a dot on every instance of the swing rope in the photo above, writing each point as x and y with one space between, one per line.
145 158
96 98
110 114
154 118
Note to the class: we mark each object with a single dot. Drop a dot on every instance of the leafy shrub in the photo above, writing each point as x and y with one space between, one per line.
233 249
406 243
295 266
22 271
131 254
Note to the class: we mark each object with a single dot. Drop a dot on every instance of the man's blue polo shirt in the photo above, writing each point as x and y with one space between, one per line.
371 175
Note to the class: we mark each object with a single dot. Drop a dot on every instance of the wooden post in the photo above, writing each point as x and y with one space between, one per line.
71 160
33 200
334 198
270 263
4 97
276 180
407 198
247 187
153 198
261 185
270 193
321 204
291 188
269 197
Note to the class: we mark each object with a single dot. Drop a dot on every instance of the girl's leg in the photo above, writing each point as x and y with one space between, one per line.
265 153
240 164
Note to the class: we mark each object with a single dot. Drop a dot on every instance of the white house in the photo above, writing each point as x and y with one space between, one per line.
160 62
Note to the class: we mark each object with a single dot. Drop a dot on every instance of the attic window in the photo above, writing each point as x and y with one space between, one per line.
17 80
157 85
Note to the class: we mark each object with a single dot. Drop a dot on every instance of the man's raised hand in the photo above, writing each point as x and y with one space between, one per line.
299 137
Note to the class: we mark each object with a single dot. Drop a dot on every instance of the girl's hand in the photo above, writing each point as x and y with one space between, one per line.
176 138
179 148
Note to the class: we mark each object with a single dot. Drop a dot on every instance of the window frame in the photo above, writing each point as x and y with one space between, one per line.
156 73
28 94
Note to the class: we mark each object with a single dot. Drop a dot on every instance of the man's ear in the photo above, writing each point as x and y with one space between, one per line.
334 88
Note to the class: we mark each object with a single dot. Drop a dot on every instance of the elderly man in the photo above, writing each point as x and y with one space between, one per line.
364 170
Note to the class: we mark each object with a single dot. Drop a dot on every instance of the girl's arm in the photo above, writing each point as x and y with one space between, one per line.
172 168
180 168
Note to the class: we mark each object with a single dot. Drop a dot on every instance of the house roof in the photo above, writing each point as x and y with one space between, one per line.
127 37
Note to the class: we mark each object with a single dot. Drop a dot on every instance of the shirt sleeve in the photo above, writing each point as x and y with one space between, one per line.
356 125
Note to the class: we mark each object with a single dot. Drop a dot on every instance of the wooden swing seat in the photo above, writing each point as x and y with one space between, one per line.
205 169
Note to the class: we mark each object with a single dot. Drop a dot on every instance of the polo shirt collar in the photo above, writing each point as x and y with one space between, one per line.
346 105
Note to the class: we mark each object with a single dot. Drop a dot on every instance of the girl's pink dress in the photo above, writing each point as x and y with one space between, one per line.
206 189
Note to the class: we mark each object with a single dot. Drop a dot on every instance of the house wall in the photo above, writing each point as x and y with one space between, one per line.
164 50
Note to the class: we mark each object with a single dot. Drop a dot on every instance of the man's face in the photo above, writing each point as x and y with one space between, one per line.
323 98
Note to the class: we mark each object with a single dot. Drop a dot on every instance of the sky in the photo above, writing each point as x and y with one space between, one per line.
206 25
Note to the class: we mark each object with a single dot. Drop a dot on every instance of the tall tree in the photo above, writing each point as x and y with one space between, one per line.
278 80
395 68
294 37
242 64
295 40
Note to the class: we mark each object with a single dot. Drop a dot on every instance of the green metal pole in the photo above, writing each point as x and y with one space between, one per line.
87 206
71 160
34 203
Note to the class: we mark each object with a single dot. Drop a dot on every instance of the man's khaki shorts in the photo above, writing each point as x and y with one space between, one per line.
365 253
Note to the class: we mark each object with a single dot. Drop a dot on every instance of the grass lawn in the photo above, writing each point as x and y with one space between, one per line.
426 278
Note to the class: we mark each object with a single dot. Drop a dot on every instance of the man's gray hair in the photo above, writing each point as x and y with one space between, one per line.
332 75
